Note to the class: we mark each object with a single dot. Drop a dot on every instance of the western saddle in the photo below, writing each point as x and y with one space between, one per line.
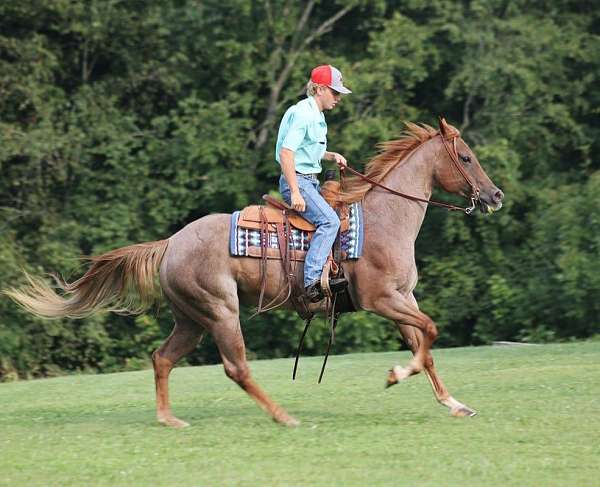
279 218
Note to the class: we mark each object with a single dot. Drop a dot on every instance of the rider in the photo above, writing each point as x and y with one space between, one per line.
301 144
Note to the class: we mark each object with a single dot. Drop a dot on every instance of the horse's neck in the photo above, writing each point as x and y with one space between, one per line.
391 217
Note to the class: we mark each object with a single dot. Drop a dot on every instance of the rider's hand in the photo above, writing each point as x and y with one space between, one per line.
298 202
339 159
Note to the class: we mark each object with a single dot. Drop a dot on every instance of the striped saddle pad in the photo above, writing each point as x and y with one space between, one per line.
244 239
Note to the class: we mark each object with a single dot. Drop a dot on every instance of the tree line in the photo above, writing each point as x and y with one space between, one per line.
122 121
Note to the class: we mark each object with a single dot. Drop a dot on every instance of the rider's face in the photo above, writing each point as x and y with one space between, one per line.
328 97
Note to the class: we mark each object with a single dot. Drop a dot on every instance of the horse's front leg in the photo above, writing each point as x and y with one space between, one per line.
402 308
412 337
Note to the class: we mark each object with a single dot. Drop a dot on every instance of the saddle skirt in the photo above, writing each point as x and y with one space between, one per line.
246 225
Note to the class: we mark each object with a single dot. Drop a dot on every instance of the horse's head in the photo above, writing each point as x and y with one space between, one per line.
458 171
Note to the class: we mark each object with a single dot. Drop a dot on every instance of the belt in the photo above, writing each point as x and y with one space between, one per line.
310 176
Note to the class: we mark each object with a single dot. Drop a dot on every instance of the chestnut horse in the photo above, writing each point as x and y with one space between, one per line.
204 285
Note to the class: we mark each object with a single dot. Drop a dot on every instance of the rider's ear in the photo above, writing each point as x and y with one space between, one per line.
444 129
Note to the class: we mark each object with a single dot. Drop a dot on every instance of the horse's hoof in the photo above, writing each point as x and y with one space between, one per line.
173 422
288 421
463 412
292 423
390 380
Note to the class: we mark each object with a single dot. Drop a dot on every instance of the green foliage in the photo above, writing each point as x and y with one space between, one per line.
120 122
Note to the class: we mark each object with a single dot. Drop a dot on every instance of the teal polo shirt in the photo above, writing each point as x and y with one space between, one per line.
303 130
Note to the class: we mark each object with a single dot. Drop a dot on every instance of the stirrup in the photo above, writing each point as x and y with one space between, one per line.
314 292
337 285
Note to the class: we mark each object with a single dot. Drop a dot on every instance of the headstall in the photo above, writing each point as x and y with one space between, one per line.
453 153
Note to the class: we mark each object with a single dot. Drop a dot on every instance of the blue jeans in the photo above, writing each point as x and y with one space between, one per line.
321 215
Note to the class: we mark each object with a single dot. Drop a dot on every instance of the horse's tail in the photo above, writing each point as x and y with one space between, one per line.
106 285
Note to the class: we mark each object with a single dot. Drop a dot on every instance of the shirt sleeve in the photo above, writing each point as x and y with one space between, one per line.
296 133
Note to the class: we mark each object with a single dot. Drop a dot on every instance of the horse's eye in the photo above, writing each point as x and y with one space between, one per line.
465 158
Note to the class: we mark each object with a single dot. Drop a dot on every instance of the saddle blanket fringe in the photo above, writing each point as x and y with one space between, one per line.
245 242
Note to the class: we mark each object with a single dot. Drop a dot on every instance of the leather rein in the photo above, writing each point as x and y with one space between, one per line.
453 153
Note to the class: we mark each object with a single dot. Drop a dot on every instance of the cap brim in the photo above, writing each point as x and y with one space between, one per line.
340 89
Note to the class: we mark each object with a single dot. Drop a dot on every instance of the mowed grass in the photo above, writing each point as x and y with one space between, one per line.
538 424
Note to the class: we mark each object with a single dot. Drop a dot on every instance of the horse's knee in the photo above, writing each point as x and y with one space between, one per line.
431 330
237 373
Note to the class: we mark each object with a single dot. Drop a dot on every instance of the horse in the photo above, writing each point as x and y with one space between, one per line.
204 286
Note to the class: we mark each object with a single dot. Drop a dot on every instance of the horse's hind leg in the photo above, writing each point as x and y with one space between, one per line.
412 336
184 338
227 334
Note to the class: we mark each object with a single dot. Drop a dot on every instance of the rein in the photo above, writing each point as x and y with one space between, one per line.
453 153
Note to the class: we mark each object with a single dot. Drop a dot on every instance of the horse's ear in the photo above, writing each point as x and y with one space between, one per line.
444 129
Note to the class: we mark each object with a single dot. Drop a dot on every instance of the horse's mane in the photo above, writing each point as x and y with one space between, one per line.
390 154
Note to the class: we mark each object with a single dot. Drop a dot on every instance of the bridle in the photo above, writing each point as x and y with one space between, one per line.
453 153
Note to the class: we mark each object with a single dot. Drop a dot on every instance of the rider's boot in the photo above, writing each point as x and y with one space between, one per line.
315 293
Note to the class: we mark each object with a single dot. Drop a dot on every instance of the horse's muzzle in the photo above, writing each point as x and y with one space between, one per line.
489 202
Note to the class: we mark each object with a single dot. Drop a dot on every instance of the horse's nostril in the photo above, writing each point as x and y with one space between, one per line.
498 196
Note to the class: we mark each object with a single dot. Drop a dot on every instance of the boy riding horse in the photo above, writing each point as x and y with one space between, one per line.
301 144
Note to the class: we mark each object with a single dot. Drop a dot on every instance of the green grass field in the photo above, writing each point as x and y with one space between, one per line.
538 424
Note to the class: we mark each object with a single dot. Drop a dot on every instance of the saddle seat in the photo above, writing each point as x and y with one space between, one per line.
276 210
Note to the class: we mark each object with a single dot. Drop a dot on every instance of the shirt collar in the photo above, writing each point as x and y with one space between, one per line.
313 103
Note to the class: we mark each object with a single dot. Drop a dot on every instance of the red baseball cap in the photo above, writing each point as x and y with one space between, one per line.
329 76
